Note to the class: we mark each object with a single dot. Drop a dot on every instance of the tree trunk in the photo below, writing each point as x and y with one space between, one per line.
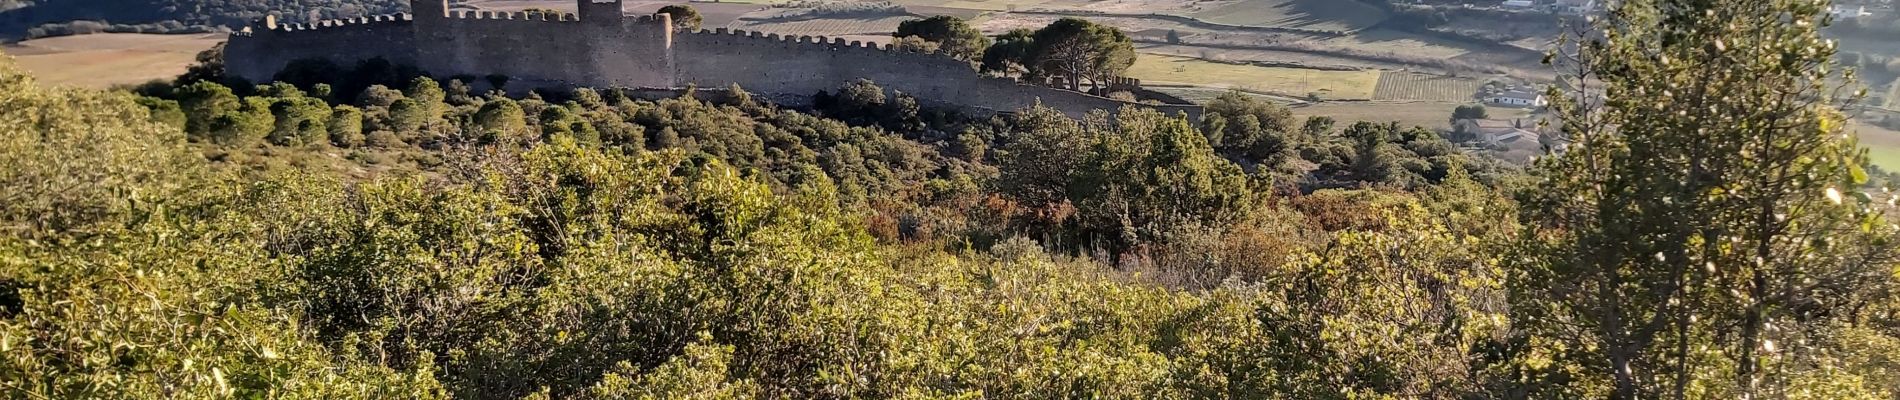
1625 380
1751 335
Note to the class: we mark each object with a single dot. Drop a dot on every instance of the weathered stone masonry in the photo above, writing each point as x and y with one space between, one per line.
601 47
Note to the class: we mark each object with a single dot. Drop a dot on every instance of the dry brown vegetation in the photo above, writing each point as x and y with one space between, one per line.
107 59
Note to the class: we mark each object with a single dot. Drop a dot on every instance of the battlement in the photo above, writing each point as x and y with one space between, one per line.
535 16
893 56
269 24
653 19
743 38
603 12
600 46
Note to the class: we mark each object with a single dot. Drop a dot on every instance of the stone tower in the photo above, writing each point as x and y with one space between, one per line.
429 9
603 12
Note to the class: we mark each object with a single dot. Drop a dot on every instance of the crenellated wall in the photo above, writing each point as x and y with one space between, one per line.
805 65
601 47
549 50
257 53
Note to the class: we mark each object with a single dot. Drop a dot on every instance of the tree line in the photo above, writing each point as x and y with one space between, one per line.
1072 50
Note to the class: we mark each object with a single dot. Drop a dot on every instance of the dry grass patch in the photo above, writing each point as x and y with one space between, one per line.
1883 144
107 59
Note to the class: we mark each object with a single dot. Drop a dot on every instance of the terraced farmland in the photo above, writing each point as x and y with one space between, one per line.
1396 85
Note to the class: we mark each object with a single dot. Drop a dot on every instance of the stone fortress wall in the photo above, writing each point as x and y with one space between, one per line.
601 47
258 52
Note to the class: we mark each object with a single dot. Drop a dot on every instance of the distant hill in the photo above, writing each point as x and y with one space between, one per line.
160 16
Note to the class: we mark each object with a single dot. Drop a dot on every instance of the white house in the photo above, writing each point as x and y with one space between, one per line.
1516 140
1577 6
1519 4
1517 98
1491 132
1846 13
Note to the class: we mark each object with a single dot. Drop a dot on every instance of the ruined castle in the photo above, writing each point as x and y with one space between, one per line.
602 47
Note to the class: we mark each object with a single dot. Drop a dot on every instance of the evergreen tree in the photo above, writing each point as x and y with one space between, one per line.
407 117
1470 111
165 111
557 120
684 17
951 34
1242 127
345 126
249 123
1077 49
428 94
202 102
1148 174
1010 53
299 121
1703 227
501 121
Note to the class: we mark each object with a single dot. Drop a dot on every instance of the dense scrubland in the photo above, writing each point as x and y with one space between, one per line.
205 238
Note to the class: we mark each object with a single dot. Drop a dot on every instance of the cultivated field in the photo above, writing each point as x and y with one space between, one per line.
1275 56
1883 144
988 5
1887 157
1396 85
1893 95
107 59
1376 48
1291 82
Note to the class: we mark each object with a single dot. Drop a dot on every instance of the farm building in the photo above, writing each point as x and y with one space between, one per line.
1847 12
1577 6
1516 141
1516 98
1490 131
1519 4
